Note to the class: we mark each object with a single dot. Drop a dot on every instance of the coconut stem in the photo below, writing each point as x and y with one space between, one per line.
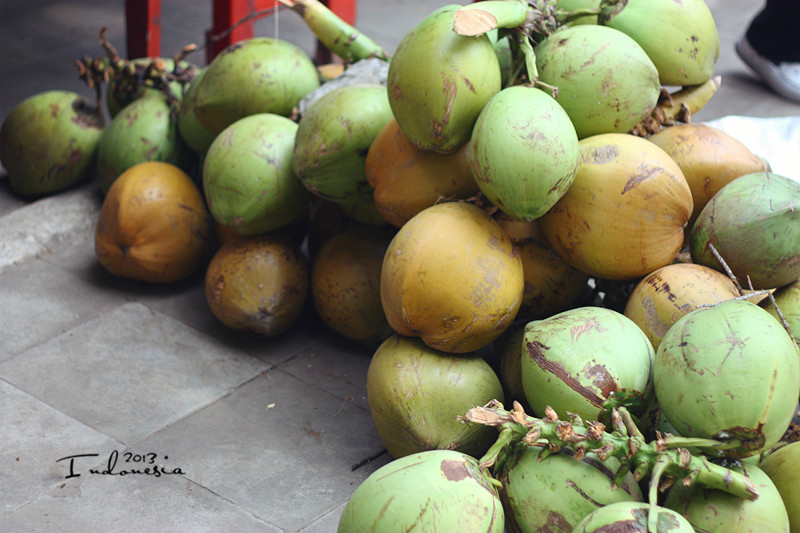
481 17
334 33
632 451
753 292
568 16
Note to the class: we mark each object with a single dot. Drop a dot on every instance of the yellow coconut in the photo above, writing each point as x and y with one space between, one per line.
258 284
345 284
452 277
624 215
664 296
709 159
551 284
406 179
153 225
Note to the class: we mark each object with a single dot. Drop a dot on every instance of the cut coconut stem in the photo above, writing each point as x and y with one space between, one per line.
334 33
631 450
482 17
678 106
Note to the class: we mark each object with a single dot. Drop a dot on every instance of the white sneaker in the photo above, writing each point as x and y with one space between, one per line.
783 78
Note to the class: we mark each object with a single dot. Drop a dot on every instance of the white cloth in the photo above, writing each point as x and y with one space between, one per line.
777 140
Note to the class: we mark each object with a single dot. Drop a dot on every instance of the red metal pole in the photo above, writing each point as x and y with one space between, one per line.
143 28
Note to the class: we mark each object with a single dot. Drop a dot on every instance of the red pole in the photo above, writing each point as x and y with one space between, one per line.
143 28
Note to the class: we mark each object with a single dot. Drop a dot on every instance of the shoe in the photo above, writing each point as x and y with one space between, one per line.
783 78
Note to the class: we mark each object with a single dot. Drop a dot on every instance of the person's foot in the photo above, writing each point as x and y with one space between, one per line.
783 78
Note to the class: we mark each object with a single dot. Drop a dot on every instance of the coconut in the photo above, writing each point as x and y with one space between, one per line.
153 225
248 179
670 292
145 130
754 224
258 284
782 466
552 285
345 284
48 142
452 277
632 517
523 152
728 372
624 215
578 360
787 298
606 83
416 395
532 504
396 497
194 134
715 511
439 81
269 76
406 179
680 37
709 159
332 141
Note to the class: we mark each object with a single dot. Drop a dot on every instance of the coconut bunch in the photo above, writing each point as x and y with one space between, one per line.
569 177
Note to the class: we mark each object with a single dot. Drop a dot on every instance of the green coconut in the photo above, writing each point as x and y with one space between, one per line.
48 142
728 372
333 138
257 75
248 179
680 37
606 83
578 360
523 152
554 492
632 517
194 134
783 468
715 511
146 130
435 490
439 81
754 224
416 394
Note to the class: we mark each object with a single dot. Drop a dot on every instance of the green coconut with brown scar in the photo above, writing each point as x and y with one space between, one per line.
439 81
435 490
584 360
728 372
531 504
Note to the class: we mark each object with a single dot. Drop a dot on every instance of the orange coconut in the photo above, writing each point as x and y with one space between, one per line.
153 224
624 215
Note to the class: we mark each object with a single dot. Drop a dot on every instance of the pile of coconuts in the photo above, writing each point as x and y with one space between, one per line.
583 310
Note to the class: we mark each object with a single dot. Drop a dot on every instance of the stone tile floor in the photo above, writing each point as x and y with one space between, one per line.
264 434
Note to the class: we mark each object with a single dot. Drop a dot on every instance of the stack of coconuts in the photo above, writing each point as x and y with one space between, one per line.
584 309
